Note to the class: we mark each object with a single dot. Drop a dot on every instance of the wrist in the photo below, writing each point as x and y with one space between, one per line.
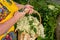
20 6
19 14
24 10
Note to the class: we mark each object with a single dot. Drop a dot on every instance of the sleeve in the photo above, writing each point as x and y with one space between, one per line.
11 7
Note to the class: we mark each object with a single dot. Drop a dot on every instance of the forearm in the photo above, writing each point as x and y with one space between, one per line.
20 6
7 25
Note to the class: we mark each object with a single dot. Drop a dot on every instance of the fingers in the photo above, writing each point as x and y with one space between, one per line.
31 11
30 8
26 10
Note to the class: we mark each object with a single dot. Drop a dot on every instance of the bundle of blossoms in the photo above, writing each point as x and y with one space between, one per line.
32 26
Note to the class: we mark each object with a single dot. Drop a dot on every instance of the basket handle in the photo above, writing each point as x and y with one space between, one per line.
38 15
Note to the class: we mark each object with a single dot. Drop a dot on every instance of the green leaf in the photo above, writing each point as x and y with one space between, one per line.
35 30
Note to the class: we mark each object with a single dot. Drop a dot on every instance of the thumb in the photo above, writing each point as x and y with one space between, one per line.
26 10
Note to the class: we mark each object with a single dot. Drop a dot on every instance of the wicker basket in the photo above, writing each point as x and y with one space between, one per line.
21 36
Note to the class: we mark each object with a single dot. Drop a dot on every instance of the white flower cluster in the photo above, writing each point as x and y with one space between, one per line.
52 7
23 25
40 31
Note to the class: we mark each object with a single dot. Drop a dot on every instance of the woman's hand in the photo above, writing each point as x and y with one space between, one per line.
28 8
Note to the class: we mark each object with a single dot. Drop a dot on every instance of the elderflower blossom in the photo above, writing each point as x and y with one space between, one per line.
35 20
52 7
40 31
23 25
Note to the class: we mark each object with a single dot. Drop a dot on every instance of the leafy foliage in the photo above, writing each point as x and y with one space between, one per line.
48 16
